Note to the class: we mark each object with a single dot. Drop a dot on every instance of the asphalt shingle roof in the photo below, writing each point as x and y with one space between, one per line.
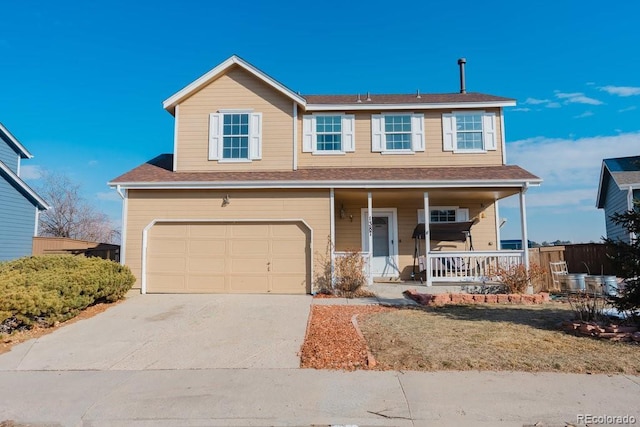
159 170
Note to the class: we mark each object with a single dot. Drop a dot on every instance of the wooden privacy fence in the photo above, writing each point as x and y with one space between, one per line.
588 258
543 256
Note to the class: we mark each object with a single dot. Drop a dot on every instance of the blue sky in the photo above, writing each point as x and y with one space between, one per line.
81 83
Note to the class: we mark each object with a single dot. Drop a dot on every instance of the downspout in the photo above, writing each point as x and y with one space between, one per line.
295 137
175 139
123 233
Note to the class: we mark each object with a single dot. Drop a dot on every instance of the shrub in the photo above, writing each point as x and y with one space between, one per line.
350 275
47 289
587 307
516 278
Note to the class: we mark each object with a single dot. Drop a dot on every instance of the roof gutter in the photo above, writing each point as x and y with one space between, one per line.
415 106
365 184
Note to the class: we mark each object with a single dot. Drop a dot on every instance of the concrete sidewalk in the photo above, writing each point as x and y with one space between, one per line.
302 397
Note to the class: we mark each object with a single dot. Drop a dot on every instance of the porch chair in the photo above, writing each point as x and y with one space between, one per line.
558 270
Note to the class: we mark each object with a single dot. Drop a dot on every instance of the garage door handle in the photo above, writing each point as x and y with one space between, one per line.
268 266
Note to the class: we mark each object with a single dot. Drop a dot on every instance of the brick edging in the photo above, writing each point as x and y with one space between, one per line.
466 298
371 361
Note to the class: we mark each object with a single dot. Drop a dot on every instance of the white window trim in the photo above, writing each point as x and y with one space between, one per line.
216 135
460 212
449 132
417 134
347 139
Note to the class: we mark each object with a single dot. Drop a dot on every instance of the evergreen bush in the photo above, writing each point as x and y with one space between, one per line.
51 288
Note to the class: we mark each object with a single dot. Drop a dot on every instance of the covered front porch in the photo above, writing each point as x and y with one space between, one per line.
462 226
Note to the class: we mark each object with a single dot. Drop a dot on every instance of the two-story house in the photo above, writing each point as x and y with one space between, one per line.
19 204
265 185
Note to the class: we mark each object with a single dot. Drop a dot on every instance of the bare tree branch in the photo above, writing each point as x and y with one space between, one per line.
70 214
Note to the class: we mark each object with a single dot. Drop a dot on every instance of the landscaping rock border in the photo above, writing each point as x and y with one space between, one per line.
595 330
466 298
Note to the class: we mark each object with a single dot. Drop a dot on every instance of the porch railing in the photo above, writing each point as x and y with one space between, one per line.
460 266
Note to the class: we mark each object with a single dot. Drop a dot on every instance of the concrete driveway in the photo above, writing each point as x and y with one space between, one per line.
174 332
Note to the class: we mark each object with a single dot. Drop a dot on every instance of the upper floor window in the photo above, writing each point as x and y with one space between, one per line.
473 131
235 136
397 133
328 133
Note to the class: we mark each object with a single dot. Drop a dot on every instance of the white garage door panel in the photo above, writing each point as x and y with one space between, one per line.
228 258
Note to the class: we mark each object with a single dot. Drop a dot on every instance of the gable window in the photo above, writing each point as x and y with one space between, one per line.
442 214
235 136
328 133
397 133
473 131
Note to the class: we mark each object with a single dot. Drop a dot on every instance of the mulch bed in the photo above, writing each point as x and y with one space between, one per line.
332 341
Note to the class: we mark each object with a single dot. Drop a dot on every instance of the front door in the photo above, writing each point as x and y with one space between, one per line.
383 229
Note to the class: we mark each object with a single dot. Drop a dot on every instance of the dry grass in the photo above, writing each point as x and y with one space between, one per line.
491 337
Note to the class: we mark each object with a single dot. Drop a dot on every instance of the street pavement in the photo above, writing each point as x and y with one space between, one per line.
231 360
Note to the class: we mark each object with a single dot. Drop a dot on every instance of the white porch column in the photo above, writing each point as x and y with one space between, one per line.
427 239
332 226
370 234
525 237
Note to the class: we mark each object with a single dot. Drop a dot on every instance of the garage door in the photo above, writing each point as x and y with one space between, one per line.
228 258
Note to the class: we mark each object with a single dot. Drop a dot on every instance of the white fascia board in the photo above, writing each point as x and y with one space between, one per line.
600 188
422 106
25 153
175 99
365 184
39 200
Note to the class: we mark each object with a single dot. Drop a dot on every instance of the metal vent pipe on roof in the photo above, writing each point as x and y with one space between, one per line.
461 63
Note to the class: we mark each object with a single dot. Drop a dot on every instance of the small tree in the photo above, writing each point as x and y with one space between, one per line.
70 214
625 258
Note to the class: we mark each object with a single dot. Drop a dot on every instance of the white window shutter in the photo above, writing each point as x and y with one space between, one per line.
448 132
462 214
255 136
215 136
489 131
348 134
308 125
417 132
420 216
377 134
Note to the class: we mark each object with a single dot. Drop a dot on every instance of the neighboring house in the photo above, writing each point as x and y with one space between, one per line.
263 179
19 204
619 186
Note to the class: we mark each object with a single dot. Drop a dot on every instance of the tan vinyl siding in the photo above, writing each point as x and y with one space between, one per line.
144 206
237 89
349 234
434 155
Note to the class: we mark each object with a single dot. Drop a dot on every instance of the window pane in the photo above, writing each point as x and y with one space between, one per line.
397 132
444 215
329 133
235 136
